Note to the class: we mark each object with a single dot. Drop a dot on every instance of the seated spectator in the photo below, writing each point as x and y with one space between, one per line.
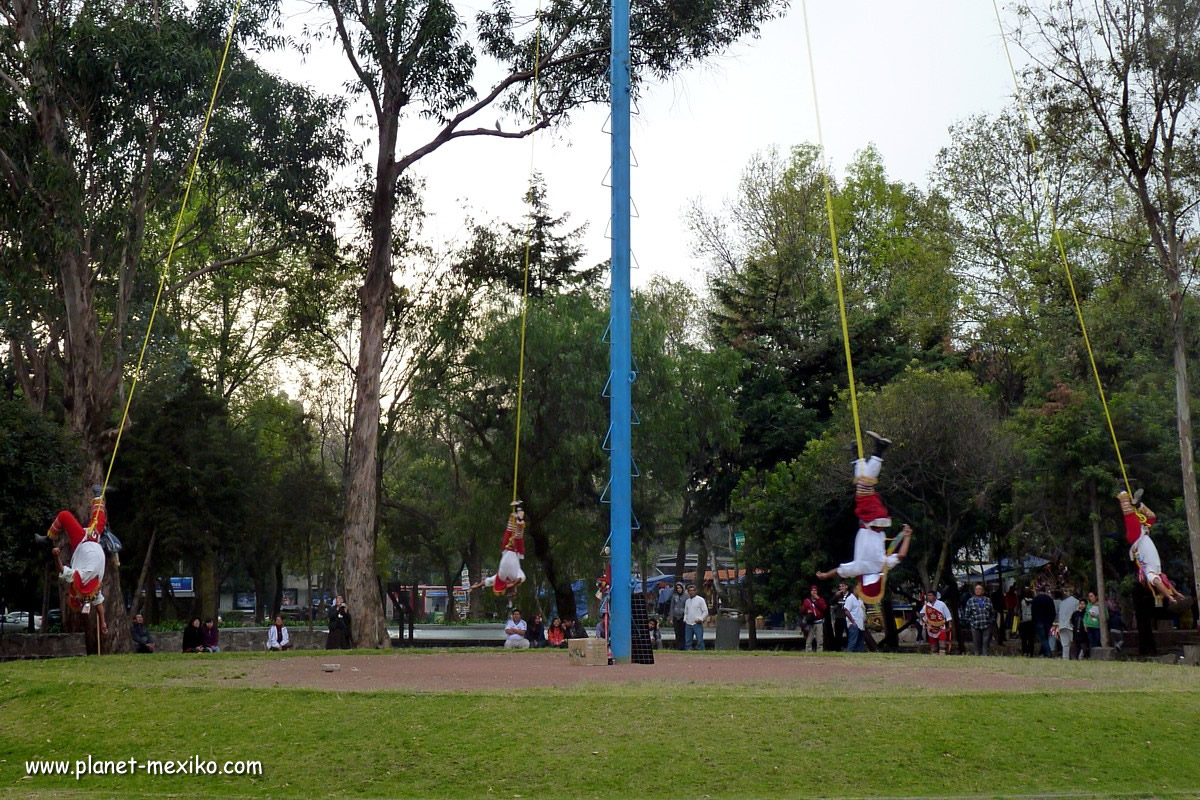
193 637
277 636
654 633
209 631
515 631
556 635
141 635
537 632
575 629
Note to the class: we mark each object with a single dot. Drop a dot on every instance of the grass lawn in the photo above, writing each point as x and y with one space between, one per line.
1111 729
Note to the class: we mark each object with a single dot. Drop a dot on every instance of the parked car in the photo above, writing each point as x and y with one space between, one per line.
21 619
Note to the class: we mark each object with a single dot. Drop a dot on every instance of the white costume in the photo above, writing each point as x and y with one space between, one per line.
1145 555
870 543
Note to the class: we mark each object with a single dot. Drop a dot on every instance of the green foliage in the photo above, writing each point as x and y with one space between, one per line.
951 464
39 476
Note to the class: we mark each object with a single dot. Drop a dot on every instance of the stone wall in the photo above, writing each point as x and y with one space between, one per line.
59 645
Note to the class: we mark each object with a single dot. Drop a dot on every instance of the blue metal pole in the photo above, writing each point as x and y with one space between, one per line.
620 347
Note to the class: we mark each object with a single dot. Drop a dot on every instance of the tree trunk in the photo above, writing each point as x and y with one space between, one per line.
362 497
277 595
681 553
451 578
260 595
1099 557
206 585
701 561
1183 423
474 559
140 587
564 596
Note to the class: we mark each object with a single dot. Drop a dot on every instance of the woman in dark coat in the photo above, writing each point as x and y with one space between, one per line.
339 627
193 637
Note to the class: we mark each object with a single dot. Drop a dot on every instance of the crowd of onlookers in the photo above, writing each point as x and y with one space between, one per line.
205 637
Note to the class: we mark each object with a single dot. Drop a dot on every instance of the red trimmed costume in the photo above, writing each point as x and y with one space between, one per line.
85 572
870 543
936 616
1142 549
509 575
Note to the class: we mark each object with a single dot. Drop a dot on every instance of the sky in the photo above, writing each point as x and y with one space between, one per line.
894 73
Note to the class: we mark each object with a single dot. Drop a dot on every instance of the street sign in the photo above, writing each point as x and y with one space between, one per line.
739 541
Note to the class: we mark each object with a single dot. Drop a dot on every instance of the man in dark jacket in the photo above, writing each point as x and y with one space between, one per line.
141 635
677 607
1044 615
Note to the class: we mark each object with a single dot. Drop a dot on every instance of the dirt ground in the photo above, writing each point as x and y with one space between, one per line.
436 672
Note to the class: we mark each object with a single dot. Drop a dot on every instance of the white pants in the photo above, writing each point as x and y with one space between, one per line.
870 554
517 644
510 568
1064 639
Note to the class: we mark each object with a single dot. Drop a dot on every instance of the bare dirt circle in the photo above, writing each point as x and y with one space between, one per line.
439 672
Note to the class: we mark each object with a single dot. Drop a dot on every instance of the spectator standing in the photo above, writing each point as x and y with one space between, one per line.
1012 605
664 599
856 622
694 615
537 632
998 608
1116 623
210 634
1025 625
1091 620
277 636
193 637
339 626
677 610
1067 609
556 636
979 615
1080 646
839 617
813 610
515 631
141 635
1043 613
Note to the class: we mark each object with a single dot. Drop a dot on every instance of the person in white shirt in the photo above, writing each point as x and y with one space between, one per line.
935 616
1069 605
856 623
695 612
277 636
515 630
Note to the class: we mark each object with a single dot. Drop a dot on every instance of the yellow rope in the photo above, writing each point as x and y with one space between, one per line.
1062 252
837 267
162 281
537 58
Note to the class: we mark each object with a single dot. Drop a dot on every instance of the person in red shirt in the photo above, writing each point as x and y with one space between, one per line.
813 613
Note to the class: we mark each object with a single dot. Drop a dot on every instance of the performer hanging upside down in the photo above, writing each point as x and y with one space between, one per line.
85 572
870 545
509 575
1142 550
